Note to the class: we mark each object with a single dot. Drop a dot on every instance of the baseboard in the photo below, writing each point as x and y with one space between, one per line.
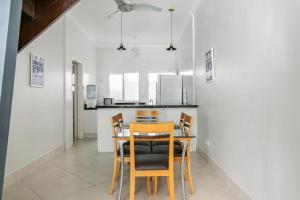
222 173
30 167
90 135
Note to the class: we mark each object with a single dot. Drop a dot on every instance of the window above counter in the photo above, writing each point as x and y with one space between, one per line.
124 87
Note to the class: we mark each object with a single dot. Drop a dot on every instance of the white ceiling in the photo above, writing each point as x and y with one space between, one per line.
151 28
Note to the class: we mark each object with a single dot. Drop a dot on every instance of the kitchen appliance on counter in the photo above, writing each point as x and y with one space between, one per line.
174 90
108 101
91 96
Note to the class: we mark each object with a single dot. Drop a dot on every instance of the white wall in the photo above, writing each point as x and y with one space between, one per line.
37 113
79 47
250 114
152 59
41 119
184 52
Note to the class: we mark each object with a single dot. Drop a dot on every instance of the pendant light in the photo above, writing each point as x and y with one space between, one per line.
121 47
171 47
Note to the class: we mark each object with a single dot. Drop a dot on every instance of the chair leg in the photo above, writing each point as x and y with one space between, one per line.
168 183
171 185
188 166
118 171
113 179
132 186
185 173
155 185
149 185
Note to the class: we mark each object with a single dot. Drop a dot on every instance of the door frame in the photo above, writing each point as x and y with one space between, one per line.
78 100
10 24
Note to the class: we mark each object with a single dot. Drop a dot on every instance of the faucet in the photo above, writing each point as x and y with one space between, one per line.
151 101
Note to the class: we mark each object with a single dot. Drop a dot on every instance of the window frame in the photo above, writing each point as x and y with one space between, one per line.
139 85
123 85
109 86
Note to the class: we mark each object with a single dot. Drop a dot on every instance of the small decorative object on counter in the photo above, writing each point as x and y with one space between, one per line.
108 101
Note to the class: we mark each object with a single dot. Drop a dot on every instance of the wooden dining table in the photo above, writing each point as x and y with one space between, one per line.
179 135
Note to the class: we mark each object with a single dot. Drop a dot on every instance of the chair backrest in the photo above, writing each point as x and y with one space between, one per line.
147 116
116 128
163 132
187 124
181 119
120 117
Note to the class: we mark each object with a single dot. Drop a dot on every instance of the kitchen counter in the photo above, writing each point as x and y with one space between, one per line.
142 106
100 119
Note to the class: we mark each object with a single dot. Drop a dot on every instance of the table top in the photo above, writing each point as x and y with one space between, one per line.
178 135
140 106
176 126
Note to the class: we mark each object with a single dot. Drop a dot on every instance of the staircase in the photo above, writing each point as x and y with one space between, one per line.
38 15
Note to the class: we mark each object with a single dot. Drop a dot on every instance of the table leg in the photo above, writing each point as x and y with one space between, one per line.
185 143
121 142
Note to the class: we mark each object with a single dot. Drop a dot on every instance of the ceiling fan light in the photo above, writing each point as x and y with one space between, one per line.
121 48
171 48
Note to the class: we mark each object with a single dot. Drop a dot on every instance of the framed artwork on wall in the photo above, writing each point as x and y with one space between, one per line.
37 71
209 63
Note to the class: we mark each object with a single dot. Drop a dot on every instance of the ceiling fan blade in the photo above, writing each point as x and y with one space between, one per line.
146 7
112 14
127 1
119 2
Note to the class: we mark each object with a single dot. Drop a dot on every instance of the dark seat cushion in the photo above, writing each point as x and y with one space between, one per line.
146 143
164 143
139 149
151 162
164 149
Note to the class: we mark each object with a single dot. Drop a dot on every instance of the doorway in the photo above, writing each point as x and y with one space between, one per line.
77 92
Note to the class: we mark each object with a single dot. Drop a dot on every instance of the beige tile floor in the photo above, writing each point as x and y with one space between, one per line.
82 173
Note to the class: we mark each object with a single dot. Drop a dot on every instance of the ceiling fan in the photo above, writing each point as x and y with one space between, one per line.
128 6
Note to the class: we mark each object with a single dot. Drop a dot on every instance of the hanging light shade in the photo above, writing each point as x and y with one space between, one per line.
121 47
171 47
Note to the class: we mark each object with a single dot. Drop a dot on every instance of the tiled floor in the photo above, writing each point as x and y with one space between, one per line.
84 174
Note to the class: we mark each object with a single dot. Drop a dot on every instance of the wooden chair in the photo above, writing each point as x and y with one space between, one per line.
117 124
146 116
181 119
116 128
187 129
120 117
152 165
186 126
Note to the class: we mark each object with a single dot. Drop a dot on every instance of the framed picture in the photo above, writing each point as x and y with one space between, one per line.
209 63
37 75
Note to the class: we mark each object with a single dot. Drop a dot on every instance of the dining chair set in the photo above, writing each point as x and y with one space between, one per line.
151 149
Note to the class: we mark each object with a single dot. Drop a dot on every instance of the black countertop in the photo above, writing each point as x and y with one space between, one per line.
142 106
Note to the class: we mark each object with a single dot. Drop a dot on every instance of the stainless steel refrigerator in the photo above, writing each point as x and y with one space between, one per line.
169 90
174 90
187 89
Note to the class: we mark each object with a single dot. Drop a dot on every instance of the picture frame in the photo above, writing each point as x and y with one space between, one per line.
209 65
37 71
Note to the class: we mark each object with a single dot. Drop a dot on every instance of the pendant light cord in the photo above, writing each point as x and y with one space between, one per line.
171 47
171 26
121 28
